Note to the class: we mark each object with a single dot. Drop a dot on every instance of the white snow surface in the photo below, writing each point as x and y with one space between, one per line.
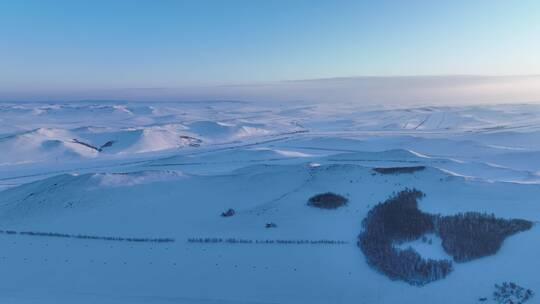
168 170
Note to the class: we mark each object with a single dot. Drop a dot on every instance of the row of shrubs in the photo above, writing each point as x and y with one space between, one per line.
465 236
218 240
247 241
90 237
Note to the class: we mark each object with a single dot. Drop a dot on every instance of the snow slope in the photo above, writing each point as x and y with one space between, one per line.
173 168
181 208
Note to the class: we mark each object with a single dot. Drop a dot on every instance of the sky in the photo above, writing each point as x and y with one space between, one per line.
89 46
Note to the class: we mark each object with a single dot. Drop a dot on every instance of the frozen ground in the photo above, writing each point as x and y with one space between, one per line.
168 170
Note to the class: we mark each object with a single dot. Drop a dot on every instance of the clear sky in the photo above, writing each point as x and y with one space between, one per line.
111 44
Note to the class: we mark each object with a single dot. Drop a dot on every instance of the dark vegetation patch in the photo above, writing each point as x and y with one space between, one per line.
465 237
87 237
228 213
100 149
511 293
193 142
86 145
468 236
398 170
106 145
270 225
327 200
399 220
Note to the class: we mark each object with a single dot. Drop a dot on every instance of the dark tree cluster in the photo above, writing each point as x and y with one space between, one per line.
472 235
399 220
465 236
89 237
228 213
398 170
511 293
327 200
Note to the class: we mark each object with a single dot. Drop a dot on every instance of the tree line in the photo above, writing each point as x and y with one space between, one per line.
214 240
89 237
398 170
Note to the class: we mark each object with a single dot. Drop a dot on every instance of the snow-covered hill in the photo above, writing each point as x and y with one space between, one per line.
80 218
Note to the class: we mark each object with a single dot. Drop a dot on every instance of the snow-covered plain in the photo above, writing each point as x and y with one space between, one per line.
168 170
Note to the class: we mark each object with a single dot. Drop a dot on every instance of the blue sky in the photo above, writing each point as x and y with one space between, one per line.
69 45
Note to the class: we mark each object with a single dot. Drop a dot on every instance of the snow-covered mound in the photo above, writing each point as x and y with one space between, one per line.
220 132
42 144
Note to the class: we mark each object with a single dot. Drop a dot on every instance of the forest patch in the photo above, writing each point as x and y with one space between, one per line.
465 236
